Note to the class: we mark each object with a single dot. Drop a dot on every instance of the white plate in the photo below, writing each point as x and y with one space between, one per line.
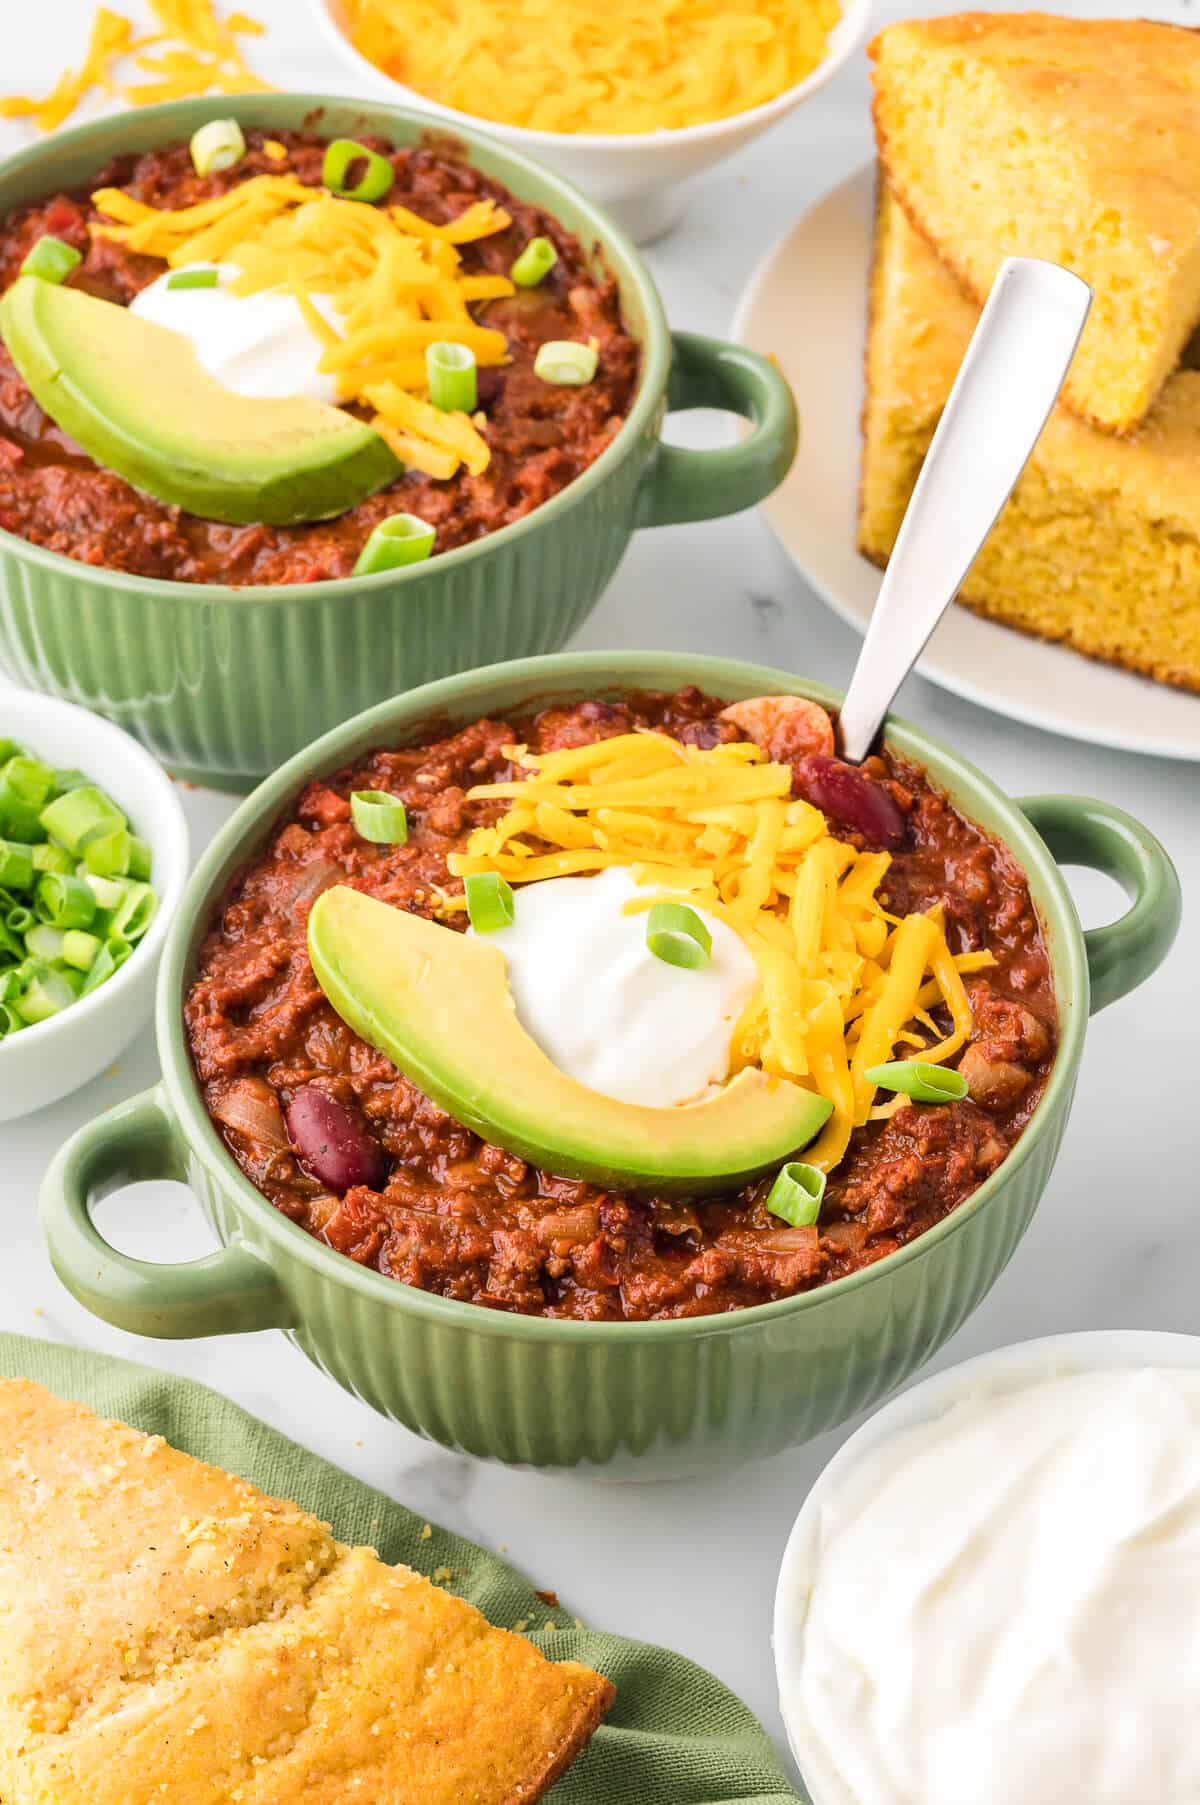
806 306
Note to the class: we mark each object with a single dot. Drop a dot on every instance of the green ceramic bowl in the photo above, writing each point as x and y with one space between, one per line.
653 1399
225 684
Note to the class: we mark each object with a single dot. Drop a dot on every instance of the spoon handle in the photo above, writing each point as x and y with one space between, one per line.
1008 383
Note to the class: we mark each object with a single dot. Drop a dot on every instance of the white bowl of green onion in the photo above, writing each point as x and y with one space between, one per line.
93 859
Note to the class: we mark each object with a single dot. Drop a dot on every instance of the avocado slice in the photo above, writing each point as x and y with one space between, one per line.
134 395
439 1005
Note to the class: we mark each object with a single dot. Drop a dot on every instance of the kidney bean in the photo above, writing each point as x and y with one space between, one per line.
333 1142
851 799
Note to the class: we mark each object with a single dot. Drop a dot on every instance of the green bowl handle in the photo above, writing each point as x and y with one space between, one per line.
698 485
225 1294
1079 831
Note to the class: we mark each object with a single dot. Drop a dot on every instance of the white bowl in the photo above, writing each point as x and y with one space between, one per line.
1092 1350
636 176
46 1062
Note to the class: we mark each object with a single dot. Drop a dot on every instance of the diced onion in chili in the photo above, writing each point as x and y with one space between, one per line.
452 380
797 1194
566 363
489 902
676 935
918 1079
194 278
216 146
379 817
51 260
534 264
400 539
375 181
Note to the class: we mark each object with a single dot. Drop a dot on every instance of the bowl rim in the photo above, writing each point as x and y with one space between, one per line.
170 844
277 108
545 677
845 38
998 1369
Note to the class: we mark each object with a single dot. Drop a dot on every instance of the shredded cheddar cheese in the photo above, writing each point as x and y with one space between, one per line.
194 53
842 983
394 278
566 66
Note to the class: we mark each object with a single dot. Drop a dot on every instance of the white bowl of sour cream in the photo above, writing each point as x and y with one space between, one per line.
992 1593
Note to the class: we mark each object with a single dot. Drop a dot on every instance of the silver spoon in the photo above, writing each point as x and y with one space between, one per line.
1009 381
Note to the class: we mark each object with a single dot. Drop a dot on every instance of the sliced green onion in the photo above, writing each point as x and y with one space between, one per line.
797 1194
16 864
103 967
74 889
535 262
140 859
194 278
80 949
79 816
375 181
452 380
489 902
133 915
918 1079
51 260
45 996
566 362
25 786
107 891
216 146
398 540
49 857
676 935
65 902
45 942
379 817
108 854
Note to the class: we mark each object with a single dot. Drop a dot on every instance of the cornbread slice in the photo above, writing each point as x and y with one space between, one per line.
1100 544
1072 139
168 1632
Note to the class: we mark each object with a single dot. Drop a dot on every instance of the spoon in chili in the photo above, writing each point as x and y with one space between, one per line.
1008 382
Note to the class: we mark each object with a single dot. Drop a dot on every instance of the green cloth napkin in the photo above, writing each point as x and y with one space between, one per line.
675 1736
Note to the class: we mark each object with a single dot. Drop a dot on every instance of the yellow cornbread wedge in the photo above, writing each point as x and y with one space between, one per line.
1071 139
167 1632
1100 544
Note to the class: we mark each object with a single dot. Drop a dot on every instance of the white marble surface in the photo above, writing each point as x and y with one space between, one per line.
1127 1173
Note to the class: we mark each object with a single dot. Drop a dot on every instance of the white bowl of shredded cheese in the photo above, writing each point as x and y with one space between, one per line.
636 174
992 1593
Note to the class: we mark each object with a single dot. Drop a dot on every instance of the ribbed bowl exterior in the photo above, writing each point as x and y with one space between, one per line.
224 685
223 691
641 1406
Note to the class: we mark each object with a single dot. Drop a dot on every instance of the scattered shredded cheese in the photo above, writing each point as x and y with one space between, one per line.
210 60
394 278
842 983
565 66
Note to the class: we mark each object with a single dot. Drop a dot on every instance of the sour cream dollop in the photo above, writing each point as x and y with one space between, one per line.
259 345
605 1009
1003 1604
